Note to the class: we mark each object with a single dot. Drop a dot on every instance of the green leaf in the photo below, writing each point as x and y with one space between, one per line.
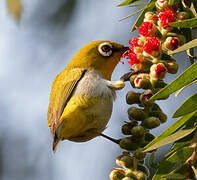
132 14
180 155
136 5
188 106
170 139
150 6
188 23
175 176
127 2
183 170
184 47
167 164
180 90
15 8
173 128
182 80
151 161
172 2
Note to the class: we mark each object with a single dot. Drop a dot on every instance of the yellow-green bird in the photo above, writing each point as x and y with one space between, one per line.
82 94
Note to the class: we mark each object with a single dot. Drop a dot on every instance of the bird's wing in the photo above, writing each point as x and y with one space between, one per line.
61 92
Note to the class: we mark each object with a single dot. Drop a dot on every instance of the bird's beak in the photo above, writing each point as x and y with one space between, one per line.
124 49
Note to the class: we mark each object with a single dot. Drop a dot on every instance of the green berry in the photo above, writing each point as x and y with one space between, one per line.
151 122
116 175
132 97
172 67
136 175
139 154
126 128
137 114
128 144
138 131
125 161
162 117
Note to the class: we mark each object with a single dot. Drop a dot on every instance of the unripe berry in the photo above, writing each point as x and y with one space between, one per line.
162 117
172 67
128 144
151 122
155 107
138 131
136 175
126 128
181 16
125 161
116 175
139 154
132 97
136 114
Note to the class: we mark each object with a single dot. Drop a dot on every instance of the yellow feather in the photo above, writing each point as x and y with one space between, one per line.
62 88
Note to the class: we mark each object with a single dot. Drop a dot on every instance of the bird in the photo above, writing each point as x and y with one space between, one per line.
82 95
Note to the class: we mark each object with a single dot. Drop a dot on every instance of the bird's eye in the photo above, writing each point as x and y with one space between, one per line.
105 49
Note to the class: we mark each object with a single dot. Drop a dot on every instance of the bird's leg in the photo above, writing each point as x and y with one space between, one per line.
116 85
111 139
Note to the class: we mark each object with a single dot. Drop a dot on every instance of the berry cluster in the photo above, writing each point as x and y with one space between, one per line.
149 61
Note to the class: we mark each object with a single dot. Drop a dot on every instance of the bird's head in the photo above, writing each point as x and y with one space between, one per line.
101 56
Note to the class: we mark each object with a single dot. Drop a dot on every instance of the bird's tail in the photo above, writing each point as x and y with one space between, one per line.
56 142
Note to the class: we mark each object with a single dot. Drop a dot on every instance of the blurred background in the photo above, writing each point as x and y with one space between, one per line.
32 52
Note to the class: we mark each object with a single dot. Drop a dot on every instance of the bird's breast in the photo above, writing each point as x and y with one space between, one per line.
91 86
94 85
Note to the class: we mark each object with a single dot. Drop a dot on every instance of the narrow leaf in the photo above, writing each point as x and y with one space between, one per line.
188 106
180 155
173 128
183 170
184 47
175 176
173 2
132 14
15 8
182 80
170 139
195 171
136 5
151 161
188 23
179 91
127 2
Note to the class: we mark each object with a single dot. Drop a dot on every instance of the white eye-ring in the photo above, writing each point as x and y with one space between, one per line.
105 49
